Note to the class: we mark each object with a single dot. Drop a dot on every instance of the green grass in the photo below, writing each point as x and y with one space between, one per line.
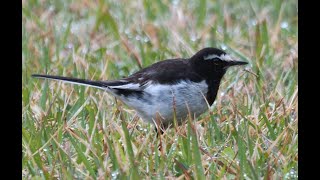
78 132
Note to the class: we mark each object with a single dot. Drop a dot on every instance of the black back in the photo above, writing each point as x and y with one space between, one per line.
169 71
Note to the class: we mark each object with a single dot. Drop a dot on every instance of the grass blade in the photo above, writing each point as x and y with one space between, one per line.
196 155
133 170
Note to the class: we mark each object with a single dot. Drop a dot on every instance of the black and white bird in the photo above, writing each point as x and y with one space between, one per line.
172 87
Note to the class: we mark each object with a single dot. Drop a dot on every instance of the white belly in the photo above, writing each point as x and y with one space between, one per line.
183 97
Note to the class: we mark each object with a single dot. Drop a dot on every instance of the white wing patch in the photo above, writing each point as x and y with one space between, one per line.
223 57
132 86
127 86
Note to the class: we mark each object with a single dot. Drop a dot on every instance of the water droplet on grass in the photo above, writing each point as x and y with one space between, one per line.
84 50
145 39
253 22
70 46
175 2
114 174
223 47
193 38
284 25
127 31
51 8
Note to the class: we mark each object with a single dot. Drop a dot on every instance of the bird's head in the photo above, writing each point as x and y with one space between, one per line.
210 61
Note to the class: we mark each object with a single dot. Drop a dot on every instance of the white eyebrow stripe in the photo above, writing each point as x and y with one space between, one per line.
211 56
223 57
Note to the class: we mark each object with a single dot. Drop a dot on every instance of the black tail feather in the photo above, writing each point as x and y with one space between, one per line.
98 84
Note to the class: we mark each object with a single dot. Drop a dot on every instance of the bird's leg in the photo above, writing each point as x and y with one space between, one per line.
135 122
158 131
159 128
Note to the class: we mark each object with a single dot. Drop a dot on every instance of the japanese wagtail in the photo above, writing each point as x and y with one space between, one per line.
173 87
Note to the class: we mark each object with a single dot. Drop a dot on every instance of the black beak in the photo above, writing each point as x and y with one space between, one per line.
234 63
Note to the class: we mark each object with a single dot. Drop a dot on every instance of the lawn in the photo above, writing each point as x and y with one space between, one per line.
77 132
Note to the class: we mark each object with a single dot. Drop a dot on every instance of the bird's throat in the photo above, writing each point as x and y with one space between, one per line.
213 82
212 92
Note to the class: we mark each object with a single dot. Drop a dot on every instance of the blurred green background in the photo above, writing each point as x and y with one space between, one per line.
75 132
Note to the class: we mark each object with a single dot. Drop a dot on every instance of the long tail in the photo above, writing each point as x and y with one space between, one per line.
96 84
